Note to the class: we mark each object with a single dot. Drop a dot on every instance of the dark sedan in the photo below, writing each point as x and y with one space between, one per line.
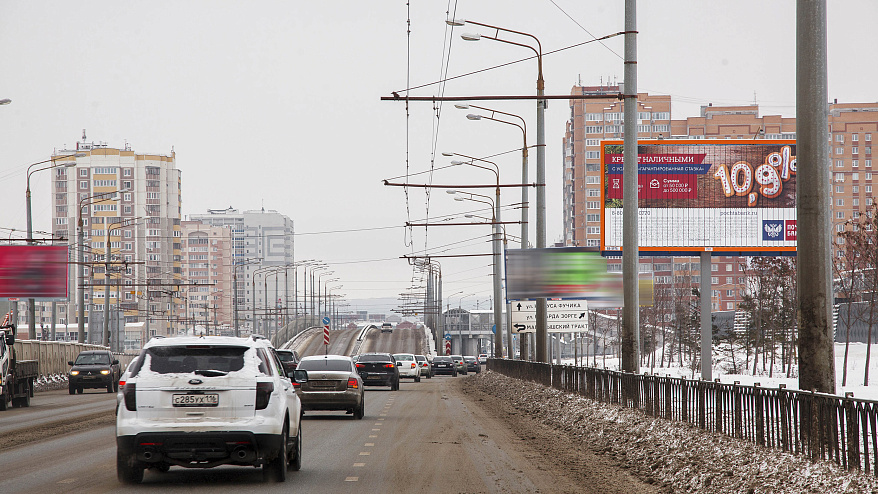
472 364
444 365
289 359
332 384
378 369
94 369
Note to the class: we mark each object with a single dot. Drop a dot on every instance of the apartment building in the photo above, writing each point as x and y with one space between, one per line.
207 273
261 239
852 126
129 204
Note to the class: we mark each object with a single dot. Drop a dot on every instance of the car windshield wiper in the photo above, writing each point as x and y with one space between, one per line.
210 372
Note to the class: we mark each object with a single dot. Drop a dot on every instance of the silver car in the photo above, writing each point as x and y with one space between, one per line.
330 382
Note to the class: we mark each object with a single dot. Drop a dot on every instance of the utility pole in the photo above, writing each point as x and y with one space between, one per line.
814 276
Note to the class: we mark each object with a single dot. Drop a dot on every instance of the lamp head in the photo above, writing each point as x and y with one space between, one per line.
446 153
6 101
455 22
461 106
473 116
451 191
471 36
459 198
458 162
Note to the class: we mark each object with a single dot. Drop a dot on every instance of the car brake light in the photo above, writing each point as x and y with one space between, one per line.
360 366
352 383
263 394
121 384
413 365
389 366
130 397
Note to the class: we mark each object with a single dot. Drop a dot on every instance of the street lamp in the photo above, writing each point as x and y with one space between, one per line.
541 333
85 201
524 174
495 248
5 101
31 308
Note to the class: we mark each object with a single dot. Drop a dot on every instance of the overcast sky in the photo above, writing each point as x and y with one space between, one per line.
276 104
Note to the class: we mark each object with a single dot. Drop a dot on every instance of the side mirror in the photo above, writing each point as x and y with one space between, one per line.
115 362
300 376
10 339
69 362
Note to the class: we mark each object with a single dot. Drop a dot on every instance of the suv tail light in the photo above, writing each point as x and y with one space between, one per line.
389 366
263 394
130 396
352 383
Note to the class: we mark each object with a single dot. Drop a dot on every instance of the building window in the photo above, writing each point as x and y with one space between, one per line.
839 189
593 230
839 163
855 150
592 205
728 267
83 185
594 129
868 189
855 176
592 217
83 172
714 279
593 179
839 137
592 155
855 163
839 177
592 142
592 242
593 193
126 196
855 137
839 202
839 150
839 215
126 172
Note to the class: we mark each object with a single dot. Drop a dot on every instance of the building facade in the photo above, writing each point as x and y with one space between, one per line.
129 205
207 271
262 256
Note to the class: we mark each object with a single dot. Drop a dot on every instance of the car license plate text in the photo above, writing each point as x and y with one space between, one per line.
205 400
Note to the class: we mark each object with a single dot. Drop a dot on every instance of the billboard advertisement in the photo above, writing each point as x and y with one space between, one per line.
703 195
562 273
33 271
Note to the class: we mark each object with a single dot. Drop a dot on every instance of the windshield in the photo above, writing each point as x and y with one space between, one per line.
402 356
92 359
184 359
329 365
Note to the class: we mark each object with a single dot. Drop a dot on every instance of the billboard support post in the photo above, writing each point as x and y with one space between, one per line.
706 324
630 255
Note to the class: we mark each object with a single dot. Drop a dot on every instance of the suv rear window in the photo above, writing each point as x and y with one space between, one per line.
325 365
375 358
184 359
441 359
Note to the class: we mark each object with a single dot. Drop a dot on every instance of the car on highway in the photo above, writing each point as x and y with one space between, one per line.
483 358
331 383
408 366
443 365
93 369
200 402
459 364
289 359
386 327
472 364
424 364
378 369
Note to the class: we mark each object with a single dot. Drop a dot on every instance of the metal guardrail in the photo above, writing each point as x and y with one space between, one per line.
843 430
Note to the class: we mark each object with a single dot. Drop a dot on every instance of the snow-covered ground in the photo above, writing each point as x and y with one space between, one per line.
856 367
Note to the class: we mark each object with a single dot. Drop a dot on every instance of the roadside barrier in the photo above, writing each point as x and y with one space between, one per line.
53 357
820 426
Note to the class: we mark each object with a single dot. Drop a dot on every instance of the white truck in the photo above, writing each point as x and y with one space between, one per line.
17 376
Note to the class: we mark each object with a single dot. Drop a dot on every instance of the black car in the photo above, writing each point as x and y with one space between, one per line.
378 369
444 365
289 359
94 369
472 364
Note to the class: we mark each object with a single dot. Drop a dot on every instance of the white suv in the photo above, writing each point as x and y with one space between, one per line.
200 402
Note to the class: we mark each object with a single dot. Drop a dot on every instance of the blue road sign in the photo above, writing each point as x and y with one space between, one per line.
447 336
494 329
325 320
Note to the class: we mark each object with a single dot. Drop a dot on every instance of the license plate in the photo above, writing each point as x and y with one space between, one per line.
205 400
364 375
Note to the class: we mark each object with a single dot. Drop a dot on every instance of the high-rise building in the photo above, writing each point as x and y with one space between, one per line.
130 205
852 126
207 275
260 240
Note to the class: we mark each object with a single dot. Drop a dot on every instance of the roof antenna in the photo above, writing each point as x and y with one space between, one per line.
83 135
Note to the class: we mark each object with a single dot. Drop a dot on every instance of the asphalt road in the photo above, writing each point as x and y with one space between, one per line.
344 342
427 437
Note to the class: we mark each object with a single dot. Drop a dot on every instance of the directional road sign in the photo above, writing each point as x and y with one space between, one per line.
325 321
447 336
562 316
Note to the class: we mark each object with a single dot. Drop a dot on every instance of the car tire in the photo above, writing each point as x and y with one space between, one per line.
360 411
71 389
276 469
162 467
394 386
110 387
79 389
418 378
295 461
128 469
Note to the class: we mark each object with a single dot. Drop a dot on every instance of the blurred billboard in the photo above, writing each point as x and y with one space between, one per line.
32 271
562 273
701 195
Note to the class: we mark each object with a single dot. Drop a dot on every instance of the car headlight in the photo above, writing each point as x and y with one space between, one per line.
74 373
105 372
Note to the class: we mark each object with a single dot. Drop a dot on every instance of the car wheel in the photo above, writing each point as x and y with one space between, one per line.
128 469
418 378
394 386
110 387
296 455
79 389
276 469
162 467
360 411
71 389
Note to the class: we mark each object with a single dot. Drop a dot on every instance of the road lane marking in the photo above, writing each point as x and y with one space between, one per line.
359 464
376 430
365 453
373 435
351 479
370 444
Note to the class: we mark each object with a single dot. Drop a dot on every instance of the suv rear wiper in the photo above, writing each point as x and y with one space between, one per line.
211 372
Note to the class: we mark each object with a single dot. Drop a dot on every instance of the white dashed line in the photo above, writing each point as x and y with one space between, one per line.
351 479
365 453
359 464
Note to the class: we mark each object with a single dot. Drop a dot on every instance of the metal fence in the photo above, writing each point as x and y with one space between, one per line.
53 357
819 426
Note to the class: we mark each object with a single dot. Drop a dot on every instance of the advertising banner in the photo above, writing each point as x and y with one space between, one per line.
562 273
32 271
697 195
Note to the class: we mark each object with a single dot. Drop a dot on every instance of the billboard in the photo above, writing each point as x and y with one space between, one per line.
562 273
32 271
701 195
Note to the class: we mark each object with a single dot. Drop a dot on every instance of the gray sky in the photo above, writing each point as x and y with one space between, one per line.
276 104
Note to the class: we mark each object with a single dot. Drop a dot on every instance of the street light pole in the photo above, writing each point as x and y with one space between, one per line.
31 305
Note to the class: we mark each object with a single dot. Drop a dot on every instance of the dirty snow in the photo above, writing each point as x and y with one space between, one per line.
674 456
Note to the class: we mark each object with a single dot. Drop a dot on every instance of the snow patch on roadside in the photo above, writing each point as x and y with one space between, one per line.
673 455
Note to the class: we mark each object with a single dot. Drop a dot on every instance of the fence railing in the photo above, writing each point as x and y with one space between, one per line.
54 355
820 426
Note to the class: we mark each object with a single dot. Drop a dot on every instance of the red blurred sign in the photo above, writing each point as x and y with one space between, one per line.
28 271
325 335
447 348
